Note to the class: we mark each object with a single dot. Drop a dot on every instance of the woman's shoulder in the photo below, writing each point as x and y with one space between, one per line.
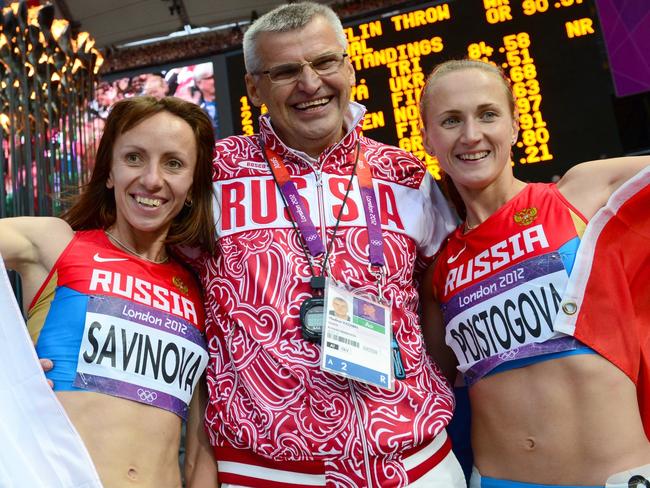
26 223
589 185
43 235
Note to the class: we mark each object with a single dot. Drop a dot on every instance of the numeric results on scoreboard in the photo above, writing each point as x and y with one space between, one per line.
393 56
520 67
549 49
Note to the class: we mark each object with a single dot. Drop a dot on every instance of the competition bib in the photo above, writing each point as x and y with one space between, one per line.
505 316
134 351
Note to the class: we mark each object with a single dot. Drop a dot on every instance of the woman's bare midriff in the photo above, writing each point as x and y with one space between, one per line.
573 420
131 444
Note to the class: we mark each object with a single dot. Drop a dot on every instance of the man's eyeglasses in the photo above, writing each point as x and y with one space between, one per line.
324 65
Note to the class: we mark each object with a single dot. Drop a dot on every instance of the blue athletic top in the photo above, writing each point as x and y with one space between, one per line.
117 324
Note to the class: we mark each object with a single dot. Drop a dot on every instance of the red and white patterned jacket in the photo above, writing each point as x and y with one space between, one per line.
267 392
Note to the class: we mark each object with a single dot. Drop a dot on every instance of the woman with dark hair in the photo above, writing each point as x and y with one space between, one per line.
547 408
109 303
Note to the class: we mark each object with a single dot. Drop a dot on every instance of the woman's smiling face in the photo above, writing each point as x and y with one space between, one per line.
152 172
470 127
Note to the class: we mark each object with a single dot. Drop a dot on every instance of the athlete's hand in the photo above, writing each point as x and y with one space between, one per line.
47 365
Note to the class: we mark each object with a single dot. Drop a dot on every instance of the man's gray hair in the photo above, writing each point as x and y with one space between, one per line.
287 18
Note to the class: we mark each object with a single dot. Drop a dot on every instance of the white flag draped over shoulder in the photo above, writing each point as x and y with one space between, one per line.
39 447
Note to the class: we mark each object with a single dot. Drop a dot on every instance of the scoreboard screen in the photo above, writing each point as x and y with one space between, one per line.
551 50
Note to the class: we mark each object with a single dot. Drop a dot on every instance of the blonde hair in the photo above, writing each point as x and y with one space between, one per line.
459 65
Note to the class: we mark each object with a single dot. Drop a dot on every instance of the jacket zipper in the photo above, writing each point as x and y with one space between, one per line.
362 432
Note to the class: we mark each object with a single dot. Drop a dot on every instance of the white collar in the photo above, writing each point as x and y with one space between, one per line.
353 115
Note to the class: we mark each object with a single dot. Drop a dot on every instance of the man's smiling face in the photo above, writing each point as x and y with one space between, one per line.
308 113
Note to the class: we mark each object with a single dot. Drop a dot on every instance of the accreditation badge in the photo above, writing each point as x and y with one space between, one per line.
357 333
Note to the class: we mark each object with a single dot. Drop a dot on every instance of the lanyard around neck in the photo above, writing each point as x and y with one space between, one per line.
373 220
300 215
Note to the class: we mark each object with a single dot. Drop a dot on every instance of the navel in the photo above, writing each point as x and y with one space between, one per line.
530 444
132 474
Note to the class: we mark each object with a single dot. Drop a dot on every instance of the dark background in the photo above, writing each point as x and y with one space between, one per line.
585 118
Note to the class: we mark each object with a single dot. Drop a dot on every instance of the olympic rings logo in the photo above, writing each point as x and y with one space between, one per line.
375 242
147 396
508 355
311 238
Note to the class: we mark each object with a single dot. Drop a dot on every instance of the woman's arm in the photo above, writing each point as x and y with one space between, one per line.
16 246
200 466
31 246
433 328
589 185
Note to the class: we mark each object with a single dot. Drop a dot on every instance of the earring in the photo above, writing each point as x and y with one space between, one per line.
188 203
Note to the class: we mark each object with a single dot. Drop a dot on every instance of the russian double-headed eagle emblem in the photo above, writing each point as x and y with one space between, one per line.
525 216
178 283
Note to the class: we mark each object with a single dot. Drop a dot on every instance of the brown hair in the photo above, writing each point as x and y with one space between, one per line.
449 67
95 208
